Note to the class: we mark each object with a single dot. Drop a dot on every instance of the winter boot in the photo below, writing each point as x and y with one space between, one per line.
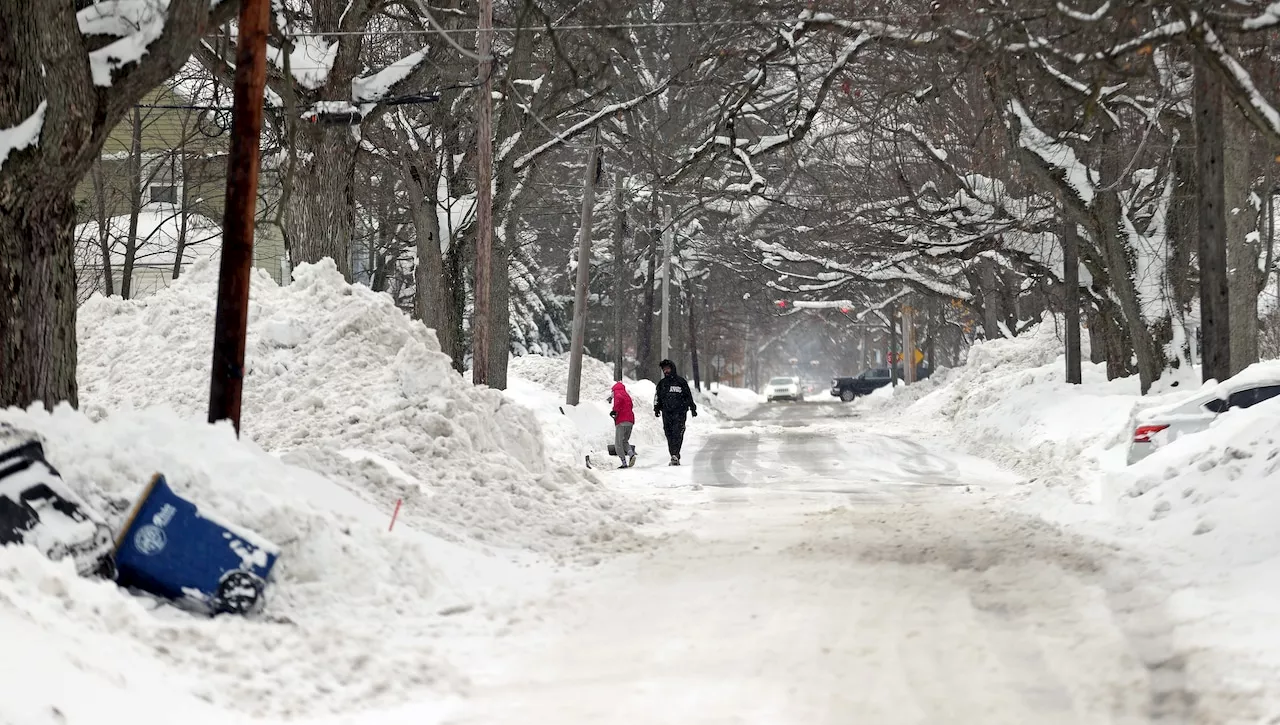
632 461
675 461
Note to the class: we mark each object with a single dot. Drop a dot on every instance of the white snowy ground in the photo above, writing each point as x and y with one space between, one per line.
818 566
811 563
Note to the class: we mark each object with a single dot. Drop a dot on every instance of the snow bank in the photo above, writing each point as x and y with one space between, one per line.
333 368
1212 500
348 599
1204 508
349 406
1012 403
731 402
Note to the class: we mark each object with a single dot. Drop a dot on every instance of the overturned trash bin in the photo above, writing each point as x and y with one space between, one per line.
38 509
170 548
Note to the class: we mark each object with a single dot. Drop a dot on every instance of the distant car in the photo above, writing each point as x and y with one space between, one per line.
848 388
783 389
1157 427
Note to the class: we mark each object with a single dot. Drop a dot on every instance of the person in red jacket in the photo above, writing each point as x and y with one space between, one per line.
624 419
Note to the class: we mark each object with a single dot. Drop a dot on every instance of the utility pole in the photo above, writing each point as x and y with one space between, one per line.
482 313
1215 306
584 275
693 338
668 231
227 376
908 344
895 348
1071 298
619 272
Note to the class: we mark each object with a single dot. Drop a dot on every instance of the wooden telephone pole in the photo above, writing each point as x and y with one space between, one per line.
1215 308
908 344
584 276
1071 297
227 376
619 272
481 320
668 235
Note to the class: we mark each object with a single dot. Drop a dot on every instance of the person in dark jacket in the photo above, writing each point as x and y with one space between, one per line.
673 401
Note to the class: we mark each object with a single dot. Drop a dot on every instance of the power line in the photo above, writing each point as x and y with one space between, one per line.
708 24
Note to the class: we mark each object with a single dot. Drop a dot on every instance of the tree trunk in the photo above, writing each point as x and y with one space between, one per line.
645 358
1071 298
990 301
320 217
619 272
452 341
1109 230
432 288
184 212
1242 253
693 339
935 328
104 229
135 206
38 301
504 240
1215 310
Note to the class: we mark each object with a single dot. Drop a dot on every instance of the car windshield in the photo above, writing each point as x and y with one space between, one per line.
780 381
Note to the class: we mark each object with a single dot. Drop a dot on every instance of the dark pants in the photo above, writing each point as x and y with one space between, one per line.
673 429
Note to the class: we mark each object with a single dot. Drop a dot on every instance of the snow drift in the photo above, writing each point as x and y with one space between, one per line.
346 596
349 406
335 372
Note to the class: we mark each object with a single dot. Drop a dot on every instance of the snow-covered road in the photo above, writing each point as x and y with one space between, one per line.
832 572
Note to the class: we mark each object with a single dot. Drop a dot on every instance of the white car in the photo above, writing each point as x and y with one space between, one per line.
783 389
1157 427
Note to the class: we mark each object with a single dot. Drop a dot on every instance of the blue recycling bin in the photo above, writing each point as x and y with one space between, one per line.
168 547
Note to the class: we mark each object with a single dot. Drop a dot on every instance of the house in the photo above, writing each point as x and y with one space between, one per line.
153 204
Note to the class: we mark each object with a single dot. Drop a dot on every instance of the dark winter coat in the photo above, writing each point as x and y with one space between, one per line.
623 410
673 396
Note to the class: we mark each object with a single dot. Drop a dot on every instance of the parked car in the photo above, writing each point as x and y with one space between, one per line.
1157 427
848 388
783 389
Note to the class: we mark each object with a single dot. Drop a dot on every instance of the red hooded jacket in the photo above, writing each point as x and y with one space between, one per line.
622 405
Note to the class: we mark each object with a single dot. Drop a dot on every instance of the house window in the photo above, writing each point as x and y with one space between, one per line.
164 194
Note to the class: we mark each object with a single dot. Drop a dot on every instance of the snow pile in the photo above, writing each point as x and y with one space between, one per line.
1212 500
1012 403
730 402
572 433
351 612
334 372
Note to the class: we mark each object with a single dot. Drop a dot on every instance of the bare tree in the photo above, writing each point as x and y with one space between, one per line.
66 79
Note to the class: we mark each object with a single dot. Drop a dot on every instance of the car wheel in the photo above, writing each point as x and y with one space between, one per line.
846 395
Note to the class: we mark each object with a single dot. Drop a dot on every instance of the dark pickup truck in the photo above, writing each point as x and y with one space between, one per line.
863 383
